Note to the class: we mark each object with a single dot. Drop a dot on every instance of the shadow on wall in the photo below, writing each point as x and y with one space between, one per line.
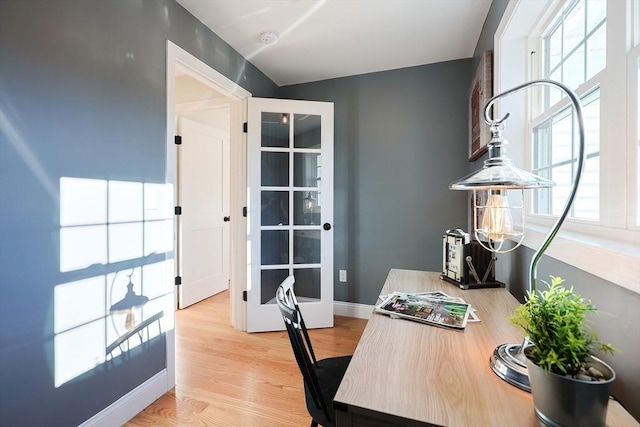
114 237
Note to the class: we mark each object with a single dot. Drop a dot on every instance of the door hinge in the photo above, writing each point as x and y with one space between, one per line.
177 140
178 280
245 127
244 211
244 295
177 210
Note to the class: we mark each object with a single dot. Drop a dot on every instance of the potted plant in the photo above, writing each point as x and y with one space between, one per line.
570 386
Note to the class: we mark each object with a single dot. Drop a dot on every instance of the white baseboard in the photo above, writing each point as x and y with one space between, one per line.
352 309
132 403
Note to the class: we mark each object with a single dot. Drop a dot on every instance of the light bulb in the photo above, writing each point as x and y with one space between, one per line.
308 203
497 223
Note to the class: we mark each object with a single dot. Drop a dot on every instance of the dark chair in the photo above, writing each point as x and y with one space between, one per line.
321 377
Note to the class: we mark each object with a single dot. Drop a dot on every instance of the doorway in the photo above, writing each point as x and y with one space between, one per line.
235 97
202 190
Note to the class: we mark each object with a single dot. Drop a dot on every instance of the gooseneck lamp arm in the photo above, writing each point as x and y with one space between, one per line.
578 174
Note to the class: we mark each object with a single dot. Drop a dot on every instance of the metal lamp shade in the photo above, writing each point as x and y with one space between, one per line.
493 223
500 177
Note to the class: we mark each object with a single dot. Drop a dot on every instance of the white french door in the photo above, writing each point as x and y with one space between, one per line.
290 179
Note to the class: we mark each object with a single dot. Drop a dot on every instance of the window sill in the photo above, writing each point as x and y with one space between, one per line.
616 261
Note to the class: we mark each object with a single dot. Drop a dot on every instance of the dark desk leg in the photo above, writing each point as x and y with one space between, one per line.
343 419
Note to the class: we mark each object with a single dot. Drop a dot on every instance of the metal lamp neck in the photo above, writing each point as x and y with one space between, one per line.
497 147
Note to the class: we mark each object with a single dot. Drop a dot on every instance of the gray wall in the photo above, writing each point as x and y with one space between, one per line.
618 321
82 94
400 139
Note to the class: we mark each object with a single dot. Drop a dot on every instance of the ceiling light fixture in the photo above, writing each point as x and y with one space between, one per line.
269 38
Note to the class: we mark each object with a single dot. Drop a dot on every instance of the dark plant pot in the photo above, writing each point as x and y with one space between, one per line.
568 402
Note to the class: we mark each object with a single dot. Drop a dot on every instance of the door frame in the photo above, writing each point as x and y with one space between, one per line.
178 57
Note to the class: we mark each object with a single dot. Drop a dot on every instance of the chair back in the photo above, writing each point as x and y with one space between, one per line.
300 341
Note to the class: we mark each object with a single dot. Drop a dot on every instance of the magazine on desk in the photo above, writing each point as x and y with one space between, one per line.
431 308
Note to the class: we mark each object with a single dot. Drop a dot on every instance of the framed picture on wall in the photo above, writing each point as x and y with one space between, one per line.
480 92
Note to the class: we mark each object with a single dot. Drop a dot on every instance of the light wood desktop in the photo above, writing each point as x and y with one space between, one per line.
405 373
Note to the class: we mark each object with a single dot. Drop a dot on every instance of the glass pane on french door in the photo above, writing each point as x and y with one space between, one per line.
289 188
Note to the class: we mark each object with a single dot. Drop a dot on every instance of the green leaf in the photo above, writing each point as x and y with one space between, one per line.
555 321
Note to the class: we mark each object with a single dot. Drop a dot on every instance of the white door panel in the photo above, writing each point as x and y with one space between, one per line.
290 178
203 191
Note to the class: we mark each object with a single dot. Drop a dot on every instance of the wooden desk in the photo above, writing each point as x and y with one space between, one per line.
405 373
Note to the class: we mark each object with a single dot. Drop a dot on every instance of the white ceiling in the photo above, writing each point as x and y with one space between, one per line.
323 39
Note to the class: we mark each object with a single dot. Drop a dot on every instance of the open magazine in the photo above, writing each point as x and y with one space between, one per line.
436 309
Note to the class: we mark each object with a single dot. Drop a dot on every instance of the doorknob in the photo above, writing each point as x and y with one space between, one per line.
327 226
227 219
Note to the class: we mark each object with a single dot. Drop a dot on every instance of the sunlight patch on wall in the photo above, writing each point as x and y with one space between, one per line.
125 241
101 317
76 254
78 351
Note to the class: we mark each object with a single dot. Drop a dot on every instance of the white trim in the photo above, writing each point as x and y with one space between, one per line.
204 73
616 262
352 309
633 115
613 118
170 335
129 405
170 179
238 199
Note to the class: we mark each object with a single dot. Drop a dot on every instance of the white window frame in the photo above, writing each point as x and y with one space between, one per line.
610 248
633 116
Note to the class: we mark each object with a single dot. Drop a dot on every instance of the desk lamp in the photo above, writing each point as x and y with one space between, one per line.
493 219
309 205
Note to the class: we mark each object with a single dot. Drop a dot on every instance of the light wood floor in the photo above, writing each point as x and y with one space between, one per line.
230 378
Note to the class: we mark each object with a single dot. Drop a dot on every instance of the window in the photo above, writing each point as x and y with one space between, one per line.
592 46
574 46
555 150
573 52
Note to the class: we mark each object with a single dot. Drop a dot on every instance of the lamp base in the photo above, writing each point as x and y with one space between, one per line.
507 361
474 285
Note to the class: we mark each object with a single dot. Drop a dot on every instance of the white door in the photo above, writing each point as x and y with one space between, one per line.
290 179
203 194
